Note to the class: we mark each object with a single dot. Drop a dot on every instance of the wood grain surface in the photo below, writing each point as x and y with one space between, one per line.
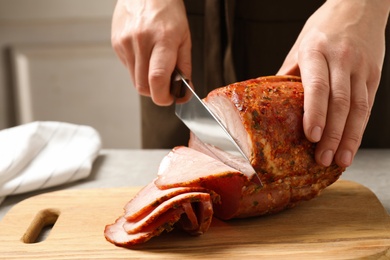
345 222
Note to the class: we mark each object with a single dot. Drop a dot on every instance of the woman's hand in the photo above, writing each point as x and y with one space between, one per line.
339 56
151 38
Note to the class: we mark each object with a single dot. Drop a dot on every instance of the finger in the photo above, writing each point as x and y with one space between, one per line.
119 50
315 79
374 77
127 57
185 66
338 110
162 63
291 69
355 125
123 48
143 49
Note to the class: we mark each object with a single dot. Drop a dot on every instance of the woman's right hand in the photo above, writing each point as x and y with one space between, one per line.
151 38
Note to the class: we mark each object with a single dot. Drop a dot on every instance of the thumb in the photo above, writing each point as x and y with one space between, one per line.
289 69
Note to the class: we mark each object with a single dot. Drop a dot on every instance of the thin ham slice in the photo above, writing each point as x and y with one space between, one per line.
186 167
150 197
137 225
163 218
116 234
189 223
198 217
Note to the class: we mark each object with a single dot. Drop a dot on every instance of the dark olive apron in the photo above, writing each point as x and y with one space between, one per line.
238 40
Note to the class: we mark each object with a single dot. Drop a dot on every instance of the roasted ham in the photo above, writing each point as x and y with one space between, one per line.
264 115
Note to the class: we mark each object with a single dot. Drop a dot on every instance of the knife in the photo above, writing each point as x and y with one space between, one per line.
206 126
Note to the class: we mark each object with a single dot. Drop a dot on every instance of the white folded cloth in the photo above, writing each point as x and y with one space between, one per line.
39 155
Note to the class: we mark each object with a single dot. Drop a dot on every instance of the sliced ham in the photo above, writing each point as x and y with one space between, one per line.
264 115
232 160
116 234
150 197
186 167
181 200
189 223
197 206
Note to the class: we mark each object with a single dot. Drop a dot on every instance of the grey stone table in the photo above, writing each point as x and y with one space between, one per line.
123 168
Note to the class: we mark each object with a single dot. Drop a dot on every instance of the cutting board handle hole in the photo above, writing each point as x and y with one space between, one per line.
41 226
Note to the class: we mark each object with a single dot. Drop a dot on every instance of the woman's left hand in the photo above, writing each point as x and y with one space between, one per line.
339 56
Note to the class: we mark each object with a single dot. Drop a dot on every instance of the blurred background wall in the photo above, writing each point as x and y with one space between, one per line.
56 63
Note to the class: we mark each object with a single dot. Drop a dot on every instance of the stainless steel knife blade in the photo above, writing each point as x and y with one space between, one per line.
203 122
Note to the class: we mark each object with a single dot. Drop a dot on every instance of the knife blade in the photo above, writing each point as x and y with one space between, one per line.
206 126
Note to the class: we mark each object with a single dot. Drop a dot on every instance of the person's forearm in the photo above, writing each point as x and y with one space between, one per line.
377 10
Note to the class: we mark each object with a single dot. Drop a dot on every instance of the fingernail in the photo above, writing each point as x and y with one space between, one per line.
316 133
327 157
346 158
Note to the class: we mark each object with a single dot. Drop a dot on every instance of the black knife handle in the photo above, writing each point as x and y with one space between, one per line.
177 89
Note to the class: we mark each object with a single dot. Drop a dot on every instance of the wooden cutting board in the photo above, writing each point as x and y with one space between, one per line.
346 221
